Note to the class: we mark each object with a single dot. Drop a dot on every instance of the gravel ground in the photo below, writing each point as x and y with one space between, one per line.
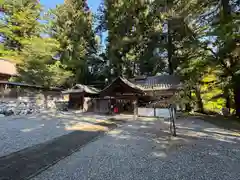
22 132
143 150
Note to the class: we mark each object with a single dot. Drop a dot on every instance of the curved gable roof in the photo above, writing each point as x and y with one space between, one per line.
79 88
121 85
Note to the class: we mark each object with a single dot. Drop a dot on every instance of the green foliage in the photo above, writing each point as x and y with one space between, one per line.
133 35
39 73
197 40
18 22
71 26
39 66
59 75
40 48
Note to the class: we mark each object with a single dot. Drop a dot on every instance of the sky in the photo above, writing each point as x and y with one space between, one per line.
93 4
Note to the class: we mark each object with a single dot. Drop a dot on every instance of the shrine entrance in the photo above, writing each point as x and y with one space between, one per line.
121 96
125 106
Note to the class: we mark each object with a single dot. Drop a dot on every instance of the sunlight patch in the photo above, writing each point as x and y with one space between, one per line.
235 134
160 154
117 131
86 127
32 129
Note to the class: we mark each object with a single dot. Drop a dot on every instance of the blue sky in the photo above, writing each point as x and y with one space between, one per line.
93 4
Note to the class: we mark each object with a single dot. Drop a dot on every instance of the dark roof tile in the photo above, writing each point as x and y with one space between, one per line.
158 82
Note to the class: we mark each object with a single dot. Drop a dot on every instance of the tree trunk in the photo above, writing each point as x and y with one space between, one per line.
227 98
228 102
188 106
226 9
199 99
236 92
133 71
170 49
237 100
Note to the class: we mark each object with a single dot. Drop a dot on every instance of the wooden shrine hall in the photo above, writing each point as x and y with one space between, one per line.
127 95
120 94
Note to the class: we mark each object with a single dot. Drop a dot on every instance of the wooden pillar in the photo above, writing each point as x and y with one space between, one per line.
170 114
135 108
110 106
154 105
172 119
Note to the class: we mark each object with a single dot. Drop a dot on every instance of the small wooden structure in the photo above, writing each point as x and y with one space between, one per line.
79 97
120 94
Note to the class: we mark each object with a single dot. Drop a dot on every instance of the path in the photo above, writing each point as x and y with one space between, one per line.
143 150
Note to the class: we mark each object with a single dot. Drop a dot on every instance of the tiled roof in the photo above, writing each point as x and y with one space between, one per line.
129 83
161 82
141 85
7 68
137 85
78 88
87 89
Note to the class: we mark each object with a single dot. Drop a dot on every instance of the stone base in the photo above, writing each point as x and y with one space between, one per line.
24 106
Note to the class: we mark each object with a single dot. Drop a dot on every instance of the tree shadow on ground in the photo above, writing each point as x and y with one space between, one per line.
27 131
32 160
231 123
146 149
35 158
158 133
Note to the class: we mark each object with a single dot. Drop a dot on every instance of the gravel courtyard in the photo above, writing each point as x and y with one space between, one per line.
143 150
17 133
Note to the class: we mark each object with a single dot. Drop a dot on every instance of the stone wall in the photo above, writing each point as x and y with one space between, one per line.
28 102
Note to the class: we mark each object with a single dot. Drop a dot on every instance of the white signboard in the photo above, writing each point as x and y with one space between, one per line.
162 112
149 112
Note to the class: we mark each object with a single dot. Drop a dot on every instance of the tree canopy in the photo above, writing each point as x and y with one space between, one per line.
196 40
